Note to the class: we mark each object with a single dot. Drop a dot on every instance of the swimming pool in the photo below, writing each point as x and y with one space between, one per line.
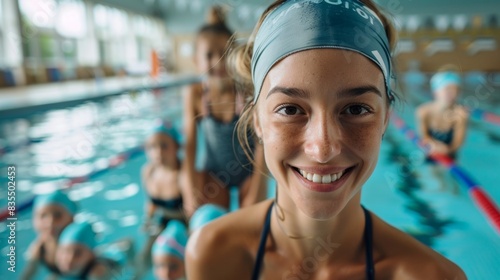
75 141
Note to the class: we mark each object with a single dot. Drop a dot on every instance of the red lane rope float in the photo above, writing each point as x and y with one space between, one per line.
479 197
112 163
485 116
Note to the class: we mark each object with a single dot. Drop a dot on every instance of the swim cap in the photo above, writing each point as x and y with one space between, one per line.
168 129
443 79
78 233
298 25
56 197
204 215
172 240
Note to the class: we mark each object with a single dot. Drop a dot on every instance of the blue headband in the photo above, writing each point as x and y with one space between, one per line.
443 79
78 233
298 25
168 129
58 198
172 240
204 215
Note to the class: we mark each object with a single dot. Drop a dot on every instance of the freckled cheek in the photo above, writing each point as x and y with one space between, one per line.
365 139
282 136
280 143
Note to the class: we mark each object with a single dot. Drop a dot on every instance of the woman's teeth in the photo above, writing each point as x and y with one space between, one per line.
323 179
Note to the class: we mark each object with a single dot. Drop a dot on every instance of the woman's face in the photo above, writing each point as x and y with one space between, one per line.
168 267
321 115
71 259
447 95
50 220
162 149
210 54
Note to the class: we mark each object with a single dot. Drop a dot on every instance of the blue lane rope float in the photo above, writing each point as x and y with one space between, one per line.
484 116
479 196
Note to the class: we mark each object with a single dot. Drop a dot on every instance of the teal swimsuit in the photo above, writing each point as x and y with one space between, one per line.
225 158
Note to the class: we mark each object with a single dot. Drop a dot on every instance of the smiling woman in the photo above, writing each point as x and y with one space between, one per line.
319 102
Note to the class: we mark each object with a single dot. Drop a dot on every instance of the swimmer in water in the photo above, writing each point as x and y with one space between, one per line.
443 122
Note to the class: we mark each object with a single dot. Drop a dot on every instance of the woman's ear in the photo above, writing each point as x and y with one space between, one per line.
386 120
256 123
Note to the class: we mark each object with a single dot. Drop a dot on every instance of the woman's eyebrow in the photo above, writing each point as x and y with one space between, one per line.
292 92
348 92
356 91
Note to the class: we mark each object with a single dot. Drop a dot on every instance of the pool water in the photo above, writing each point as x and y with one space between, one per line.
72 142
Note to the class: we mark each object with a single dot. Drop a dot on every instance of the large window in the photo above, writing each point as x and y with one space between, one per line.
110 22
39 13
71 19
73 33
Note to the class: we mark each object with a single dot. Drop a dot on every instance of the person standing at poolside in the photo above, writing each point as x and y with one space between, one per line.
212 108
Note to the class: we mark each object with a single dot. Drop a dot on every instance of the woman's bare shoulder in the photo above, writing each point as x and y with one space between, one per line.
224 249
404 257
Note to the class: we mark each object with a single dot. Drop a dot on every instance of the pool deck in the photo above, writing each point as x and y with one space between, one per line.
21 101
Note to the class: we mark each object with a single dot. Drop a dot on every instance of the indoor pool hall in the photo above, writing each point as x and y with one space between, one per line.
142 139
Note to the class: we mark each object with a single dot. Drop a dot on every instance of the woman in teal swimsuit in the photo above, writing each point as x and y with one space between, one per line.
321 100
211 111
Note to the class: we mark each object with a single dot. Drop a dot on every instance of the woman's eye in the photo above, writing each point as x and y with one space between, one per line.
356 110
289 110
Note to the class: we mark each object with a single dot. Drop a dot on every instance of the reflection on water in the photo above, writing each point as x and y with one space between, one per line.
431 225
120 194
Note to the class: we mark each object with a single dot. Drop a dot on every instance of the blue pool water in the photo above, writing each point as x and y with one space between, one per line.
72 142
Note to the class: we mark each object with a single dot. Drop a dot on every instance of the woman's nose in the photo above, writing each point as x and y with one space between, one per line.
322 137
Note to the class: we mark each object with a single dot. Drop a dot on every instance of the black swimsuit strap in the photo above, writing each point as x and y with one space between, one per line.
368 237
262 244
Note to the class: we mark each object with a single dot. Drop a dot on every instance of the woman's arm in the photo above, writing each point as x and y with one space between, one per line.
459 130
188 165
149 208
421 117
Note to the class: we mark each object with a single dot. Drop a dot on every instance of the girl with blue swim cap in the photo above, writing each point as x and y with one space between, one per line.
76 257
52 212
162 184
169 251
320 101
443 122
212 108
